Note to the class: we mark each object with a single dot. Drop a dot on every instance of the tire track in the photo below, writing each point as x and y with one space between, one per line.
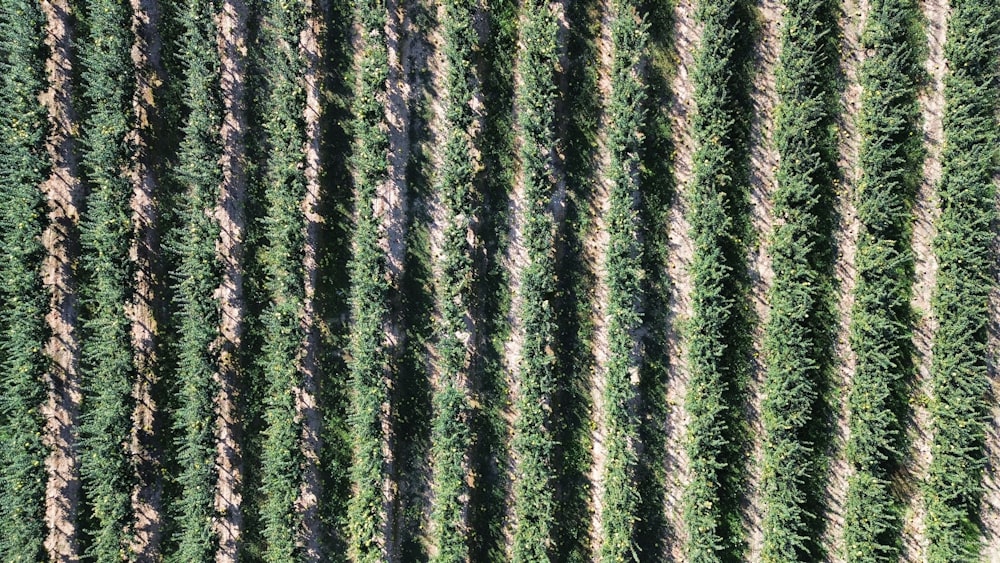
926 212
687 37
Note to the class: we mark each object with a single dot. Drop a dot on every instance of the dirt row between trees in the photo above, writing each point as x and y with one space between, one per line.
595 247
144 311
305 392
852 24
64 194
687 38
926 212
763 167
230 214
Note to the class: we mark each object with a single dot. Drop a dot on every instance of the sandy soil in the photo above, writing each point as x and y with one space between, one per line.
852 22
926 212
687 37
229 247
143 311
307 504
64 194
595 249
763 166
990 507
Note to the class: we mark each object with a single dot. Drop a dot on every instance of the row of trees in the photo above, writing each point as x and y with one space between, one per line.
532 444
451 436
966 267
23 167
622 274
720 328
367 518
798 334
881 327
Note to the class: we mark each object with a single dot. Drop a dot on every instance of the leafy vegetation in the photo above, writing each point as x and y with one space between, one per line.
966 263
798 333
623 266
23 167
450 436
196 276
368 363
106 229
720 352
532 444
890 161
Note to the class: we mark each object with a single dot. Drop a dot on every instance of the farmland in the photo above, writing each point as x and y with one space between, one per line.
506 280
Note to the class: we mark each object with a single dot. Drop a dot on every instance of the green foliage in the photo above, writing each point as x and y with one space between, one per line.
284 243
196 276
890 160
623 266
450 435
23 167
105 232
369 288
966 263
719 354
798 333
532 445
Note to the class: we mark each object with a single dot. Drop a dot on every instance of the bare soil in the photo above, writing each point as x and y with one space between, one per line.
307 503
926 212
143 311
763 167
595 246
64 195
852 22
687 37
230 215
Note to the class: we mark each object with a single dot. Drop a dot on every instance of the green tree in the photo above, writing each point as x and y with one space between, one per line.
105 231
798 333
720 350
197 274
890 160
23 167
966 264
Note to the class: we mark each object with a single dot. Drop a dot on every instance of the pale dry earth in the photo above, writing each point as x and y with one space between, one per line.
64 194
595 246
147 493
852 23
232 45
926 212
307 503
763 167
687 38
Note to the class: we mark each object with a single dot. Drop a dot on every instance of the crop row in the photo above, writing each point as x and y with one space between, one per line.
719 351
881 328
966 264
532 444
451 435
623 272
798 333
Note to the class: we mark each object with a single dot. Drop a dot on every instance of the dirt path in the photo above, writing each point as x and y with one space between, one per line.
391 208
307 504
926 212
595 247
687 36
852 23
64 194
990 507
230 215
763 166
144 310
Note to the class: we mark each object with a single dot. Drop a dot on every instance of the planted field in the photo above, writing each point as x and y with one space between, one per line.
418 280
